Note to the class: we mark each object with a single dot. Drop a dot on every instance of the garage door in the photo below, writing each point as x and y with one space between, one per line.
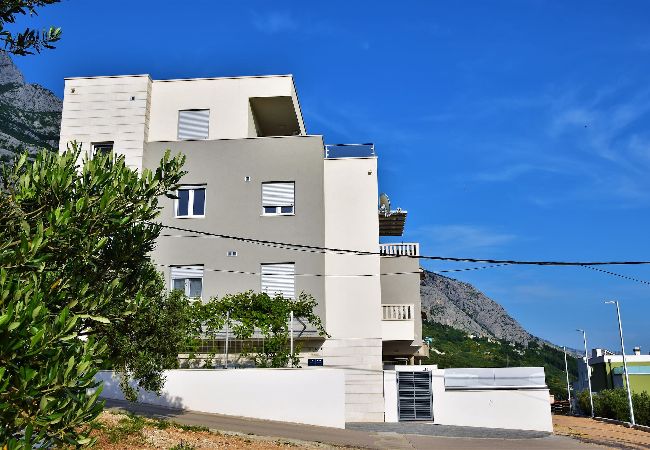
414 393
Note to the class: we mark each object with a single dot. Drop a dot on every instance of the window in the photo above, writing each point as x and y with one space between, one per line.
279 279
188 279
190 202
102 147
193 124
278 198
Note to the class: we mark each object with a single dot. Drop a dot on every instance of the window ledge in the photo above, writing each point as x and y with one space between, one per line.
277 215
189 217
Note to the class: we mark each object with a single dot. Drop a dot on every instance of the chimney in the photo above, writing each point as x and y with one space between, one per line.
637 350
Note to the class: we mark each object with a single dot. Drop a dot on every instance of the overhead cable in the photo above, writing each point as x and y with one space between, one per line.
319 249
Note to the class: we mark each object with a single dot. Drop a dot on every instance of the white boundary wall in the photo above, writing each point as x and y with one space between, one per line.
520 409
308 396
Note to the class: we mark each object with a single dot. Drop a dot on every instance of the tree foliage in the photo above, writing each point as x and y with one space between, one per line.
613 404
74 269
251 312
28 41
149 341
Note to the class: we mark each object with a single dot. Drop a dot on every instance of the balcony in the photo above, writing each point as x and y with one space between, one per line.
335 151
403 249
397 322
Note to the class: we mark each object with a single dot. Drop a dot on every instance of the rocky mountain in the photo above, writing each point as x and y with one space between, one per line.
461 306
30 115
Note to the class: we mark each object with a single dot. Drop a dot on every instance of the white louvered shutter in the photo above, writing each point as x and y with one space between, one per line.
279 279
186 272
193 124
278 194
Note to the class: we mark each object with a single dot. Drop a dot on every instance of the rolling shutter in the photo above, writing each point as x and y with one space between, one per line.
193 124
278 194
279 279
186 272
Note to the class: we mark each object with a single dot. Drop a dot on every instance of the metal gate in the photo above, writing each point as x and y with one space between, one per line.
414 396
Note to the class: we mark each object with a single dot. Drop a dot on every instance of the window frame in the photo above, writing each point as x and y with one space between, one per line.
96 146
190 201
278 209
186 280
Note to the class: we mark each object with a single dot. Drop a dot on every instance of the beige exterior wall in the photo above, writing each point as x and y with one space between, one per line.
107 109
403 289
233 207
226 98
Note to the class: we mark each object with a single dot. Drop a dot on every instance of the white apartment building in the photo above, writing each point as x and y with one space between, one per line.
254 172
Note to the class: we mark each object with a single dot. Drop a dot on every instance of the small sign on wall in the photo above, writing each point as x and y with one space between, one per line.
315 362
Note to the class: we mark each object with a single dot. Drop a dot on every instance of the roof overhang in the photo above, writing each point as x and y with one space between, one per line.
392 223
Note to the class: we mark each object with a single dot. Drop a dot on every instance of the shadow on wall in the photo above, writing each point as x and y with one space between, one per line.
111 390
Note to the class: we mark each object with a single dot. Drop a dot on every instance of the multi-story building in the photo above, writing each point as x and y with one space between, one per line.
606 369
254 172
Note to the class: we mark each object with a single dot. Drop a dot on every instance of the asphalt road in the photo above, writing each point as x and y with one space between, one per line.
413 436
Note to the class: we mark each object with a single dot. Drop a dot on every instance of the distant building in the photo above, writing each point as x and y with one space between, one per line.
607 371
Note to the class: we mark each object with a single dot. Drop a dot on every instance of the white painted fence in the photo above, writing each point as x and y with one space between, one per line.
308 396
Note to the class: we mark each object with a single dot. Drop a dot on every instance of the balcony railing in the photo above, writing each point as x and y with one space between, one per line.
333 151
409 249
397 312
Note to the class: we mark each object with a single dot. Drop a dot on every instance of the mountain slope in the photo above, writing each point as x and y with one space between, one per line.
454 348
461 306
30 115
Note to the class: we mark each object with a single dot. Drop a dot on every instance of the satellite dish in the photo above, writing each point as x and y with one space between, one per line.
384 203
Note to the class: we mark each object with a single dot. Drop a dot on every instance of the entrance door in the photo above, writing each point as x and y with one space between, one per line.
414 396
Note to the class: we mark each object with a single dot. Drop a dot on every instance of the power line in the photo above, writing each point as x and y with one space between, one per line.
318 249
321 275
617 275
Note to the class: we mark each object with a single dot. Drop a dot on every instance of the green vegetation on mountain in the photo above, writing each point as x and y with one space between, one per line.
451 348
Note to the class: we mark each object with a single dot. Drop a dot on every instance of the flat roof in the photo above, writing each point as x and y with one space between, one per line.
180 79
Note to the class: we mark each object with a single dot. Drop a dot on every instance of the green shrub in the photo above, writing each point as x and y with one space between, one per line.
613 404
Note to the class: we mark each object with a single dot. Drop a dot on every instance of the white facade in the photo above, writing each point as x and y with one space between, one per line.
239 135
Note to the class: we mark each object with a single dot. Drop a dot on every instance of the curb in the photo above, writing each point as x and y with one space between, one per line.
625 424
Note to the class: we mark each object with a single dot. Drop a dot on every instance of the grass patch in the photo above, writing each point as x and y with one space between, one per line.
182 445
128 426
191 427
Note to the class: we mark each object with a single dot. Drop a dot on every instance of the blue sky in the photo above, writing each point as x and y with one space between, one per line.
507 129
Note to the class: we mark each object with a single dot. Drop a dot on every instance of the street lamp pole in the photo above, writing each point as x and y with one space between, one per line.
627 378
591 398
568 386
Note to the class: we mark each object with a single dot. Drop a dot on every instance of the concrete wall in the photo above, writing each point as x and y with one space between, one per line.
226 98
107 109
353 313
233 207
522 409
314 397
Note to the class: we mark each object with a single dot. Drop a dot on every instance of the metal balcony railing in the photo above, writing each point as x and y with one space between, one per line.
397 312
404 249
333 151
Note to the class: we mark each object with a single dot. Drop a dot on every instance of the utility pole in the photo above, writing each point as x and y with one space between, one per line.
568 386
291 335
227 320
627 378
591 398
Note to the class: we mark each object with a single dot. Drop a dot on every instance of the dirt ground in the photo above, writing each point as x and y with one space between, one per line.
602 433
121 431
